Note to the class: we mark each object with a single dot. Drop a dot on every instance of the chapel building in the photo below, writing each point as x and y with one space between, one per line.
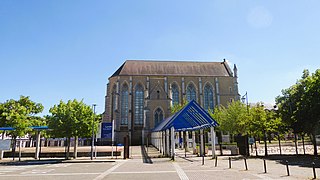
140 93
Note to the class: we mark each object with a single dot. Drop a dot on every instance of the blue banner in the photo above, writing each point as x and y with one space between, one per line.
106 130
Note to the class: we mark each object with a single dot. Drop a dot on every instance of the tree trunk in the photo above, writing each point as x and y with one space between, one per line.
255 145
269 138
314 144
30 145
20 148
68 147
304 150
279 143
75 149
265 145
14 144
296 143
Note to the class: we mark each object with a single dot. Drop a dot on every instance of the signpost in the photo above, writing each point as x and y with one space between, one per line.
5 144
107 131
4 129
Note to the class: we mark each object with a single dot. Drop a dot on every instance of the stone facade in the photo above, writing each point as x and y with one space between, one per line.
140 93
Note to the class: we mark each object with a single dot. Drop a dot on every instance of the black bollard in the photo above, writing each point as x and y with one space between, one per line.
245 163
288 172
314 170
216 163
203 159
265 166
229 162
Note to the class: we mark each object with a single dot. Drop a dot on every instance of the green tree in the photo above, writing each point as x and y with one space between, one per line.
19 114
299 105
72 119
310 106
177 107
233 119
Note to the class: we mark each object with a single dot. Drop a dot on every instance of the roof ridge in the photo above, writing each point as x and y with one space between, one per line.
171 68
182 61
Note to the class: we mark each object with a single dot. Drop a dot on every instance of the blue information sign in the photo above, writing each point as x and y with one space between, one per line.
106 130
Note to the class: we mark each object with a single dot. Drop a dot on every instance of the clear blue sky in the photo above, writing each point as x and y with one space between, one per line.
53 50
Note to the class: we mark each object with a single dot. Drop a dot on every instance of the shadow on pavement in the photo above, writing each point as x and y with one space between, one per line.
31 162
294 160
145 157
50 161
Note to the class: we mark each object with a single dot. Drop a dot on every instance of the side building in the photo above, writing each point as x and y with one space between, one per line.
140 93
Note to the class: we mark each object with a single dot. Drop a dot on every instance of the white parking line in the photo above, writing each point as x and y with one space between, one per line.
143 172
107 172
45 174
180 171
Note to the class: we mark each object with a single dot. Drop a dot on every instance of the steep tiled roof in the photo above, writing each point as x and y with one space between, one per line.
173 68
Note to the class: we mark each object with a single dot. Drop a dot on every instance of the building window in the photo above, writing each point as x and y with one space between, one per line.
114 98
158 116
124 104
191 93
138 105
175 94
208 97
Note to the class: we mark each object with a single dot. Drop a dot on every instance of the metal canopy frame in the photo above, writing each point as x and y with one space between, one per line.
32 127
39 127
7 128
191 117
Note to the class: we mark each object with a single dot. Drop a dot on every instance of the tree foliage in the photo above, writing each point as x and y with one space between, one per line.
20 114
71 119
177 107
233 118
300 103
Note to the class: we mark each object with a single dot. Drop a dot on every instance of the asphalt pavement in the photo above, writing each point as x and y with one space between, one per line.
144 163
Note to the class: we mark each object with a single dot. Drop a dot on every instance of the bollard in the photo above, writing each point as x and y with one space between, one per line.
216 163
265 166
314 171
245 163
287 168
229 162
203 159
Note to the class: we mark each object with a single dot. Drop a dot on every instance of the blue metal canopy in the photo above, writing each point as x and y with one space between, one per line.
39 127
191 117
32 127
7 128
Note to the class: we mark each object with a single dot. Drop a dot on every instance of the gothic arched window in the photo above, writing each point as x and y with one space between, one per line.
138 104
208 97
191 93
114 98
158 116
175 94
124 104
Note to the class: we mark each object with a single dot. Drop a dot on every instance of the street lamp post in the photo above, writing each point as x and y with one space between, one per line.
92 140
244 99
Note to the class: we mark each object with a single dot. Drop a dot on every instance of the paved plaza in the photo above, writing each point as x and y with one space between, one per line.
141 166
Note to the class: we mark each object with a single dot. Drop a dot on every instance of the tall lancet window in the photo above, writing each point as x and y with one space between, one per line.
114 98
175 94
208 97
138 105
191 93
158 116
124 104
